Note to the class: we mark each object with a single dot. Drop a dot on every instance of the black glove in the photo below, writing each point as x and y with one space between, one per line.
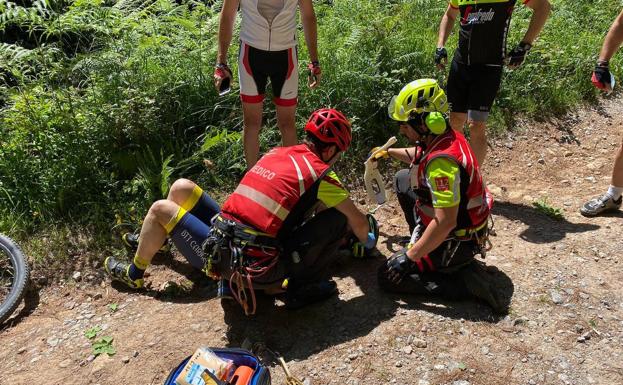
399 266
602 78
441 55
517 56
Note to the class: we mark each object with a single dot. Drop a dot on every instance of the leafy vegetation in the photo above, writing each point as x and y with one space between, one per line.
103 105
549 210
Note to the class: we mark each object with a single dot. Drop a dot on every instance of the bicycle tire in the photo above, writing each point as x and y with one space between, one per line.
20 279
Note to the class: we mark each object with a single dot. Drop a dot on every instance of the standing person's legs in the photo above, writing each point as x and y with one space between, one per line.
613 198
483 88
253 79
252 121
285 81
458 91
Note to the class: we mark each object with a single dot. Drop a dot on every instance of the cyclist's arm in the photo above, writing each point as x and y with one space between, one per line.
226 28
614 38
447 23
405 155
356 219
541 12
310 28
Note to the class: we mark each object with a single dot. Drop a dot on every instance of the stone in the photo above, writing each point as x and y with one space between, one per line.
21 350
461 382
408 349
76 276
135 354
65 363
556 297
399 364
419 343
125 359
52 341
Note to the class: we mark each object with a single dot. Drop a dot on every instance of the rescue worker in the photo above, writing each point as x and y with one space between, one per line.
604 80
449 208
264 236
268 50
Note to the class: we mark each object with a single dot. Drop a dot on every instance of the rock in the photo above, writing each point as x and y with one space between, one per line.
541 161
100 362
509 145
97 296
419 343
408 349
556 297
353 356
69 305
423 382
65 363
399 364
125 359
21 350
485 350
76 276
52 341
135 354
195 327
439 367
568 153
495 190
461 382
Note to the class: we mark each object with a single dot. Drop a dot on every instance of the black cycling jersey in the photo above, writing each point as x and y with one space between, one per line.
484 26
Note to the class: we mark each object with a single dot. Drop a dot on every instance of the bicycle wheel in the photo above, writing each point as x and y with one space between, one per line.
14 273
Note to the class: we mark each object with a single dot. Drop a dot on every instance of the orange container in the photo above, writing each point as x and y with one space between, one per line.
242 376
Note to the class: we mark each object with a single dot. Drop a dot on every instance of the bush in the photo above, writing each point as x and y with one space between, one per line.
102 106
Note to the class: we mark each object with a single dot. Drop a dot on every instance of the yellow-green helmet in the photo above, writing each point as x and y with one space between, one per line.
422 95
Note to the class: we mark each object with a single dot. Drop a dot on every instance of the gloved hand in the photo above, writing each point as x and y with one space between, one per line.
361 250
441 57
602 78
313 79
517 56
222 78
378 155
399 265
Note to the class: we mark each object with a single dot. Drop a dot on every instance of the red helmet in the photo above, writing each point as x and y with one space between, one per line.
330 126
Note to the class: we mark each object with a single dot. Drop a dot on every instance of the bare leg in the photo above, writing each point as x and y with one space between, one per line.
457 121
286 116
180 190
153 233
478 140
617 172
252 116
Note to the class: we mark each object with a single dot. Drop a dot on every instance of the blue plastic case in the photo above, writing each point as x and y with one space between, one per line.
261 374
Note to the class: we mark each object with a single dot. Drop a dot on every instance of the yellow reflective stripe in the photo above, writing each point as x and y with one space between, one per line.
192 200
464 232
173 222
263 200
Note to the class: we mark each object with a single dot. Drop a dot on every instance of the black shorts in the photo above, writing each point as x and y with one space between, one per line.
256 66
472 89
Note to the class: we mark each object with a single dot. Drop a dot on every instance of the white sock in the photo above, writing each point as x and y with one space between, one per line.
615 192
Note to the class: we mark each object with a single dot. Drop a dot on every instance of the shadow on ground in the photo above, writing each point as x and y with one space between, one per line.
31 301
541 228
302 333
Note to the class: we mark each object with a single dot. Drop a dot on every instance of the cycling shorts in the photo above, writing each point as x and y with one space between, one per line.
256 66
472 89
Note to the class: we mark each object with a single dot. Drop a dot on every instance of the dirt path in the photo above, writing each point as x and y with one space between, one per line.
565 324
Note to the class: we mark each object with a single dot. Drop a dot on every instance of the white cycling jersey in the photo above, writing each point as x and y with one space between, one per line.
275 35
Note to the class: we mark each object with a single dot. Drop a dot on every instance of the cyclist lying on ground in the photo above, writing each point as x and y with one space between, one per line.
263 237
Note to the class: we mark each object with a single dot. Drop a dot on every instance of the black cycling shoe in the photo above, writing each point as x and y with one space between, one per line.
130 241
309 293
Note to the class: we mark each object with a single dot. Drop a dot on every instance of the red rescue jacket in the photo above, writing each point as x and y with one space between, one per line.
272 188
476 201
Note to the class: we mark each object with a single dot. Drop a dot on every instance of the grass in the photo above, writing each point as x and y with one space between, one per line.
545 208
102 107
